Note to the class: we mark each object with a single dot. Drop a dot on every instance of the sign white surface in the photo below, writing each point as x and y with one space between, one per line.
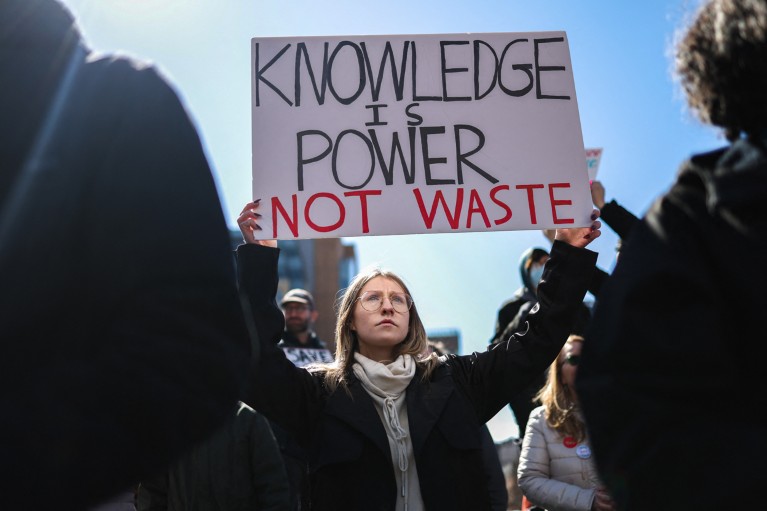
402 134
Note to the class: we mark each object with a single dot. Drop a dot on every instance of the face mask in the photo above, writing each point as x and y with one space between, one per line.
536 272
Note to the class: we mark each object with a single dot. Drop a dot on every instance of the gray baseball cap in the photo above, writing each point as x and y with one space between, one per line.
298 296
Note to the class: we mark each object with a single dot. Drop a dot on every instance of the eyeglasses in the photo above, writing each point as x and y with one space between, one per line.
372 301
573 360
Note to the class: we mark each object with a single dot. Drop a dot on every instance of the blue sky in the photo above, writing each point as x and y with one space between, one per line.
628 102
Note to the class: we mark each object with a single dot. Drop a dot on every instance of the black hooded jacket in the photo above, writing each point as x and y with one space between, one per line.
672 376
525 294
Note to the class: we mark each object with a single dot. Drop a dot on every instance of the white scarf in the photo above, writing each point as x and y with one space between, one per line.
386 384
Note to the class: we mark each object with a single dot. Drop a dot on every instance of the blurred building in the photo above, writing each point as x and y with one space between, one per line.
449 337
321 266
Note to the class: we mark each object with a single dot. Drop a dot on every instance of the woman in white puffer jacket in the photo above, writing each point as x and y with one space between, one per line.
556 469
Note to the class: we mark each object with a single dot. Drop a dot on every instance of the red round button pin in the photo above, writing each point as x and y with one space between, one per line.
569 442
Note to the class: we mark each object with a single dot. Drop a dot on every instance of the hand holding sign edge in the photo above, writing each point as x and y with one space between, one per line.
248 224
581 236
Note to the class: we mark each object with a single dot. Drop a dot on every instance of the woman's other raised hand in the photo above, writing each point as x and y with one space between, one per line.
581 236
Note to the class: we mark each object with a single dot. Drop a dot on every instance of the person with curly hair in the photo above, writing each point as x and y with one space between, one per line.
672 368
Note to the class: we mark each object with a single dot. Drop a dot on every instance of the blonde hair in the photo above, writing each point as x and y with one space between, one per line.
558 399
415 343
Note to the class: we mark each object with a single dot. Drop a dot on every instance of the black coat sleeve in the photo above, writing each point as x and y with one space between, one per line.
276 381
493 377
618 218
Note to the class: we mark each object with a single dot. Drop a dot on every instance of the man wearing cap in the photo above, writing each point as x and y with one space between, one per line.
302 347
300 314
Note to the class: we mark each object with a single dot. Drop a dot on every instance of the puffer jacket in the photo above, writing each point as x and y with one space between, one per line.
554 473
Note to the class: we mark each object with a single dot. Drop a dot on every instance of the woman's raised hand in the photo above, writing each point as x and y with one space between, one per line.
581 236
248 221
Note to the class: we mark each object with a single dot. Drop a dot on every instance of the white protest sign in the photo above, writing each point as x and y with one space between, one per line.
302 357
402 134
593 157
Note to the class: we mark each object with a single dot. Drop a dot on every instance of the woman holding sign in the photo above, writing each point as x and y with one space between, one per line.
385 426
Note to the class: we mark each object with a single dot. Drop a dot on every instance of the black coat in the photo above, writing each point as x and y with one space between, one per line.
238 468
349 457
122 335
671 379
618 218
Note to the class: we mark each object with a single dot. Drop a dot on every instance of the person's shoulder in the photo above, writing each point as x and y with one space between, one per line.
704 161
686 199
123 66
316 343
538 413
290 341
723 189
441 366
536 421
132 77
519 295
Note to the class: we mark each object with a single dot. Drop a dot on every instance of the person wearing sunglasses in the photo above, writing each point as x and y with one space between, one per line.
386 426
556 470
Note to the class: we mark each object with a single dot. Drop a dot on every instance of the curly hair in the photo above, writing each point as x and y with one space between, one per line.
722 64
558 400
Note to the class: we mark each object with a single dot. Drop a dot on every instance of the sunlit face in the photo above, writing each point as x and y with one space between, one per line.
381 331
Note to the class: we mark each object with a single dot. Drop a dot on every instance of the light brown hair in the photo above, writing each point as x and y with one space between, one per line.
557 398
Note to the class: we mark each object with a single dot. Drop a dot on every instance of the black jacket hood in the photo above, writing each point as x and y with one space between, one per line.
527 255
36 23
735 183
37 41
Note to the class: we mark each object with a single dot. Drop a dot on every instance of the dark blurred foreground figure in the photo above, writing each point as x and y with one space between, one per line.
239 468
122 333
674 367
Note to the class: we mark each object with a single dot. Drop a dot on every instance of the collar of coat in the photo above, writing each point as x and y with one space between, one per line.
425 401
